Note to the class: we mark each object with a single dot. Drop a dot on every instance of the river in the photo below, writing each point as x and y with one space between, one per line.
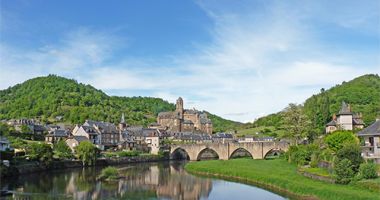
163 180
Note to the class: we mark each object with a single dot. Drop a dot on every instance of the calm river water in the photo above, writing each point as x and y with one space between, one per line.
164 180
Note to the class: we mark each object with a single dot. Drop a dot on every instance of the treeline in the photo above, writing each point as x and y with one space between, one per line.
51 97
362 93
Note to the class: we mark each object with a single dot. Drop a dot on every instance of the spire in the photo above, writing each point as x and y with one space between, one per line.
122 119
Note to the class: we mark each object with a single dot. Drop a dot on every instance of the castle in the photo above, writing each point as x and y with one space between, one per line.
345 120
183 120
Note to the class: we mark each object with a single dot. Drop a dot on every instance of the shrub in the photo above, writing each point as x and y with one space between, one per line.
39 151
368 170
338 139
109 173
351 152
62 151
343 171
315 158
128 153
301 155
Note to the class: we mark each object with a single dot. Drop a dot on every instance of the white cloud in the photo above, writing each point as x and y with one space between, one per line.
256 64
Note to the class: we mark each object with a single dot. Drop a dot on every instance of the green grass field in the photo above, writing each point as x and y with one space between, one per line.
262 130
281 175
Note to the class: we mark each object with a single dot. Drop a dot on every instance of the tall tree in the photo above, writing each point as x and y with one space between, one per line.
87 152
296 123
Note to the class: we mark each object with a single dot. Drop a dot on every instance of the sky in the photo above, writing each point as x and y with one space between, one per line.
237 59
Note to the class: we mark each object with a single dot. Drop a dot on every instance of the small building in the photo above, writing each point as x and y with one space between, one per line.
223 137
74 141
371 141
345 120
56 135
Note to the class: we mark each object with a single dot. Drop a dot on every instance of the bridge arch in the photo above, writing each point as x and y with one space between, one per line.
207 154
179 154
240 152
273 152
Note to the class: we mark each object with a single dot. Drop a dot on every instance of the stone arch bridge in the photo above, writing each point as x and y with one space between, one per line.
258 150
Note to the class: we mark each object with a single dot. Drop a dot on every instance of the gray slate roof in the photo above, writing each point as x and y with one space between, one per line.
373 129
332 123
345 109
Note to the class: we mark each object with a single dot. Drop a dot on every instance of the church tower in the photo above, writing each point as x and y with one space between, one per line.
179 107
122 124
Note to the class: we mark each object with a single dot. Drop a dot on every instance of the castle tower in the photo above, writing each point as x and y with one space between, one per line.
179 107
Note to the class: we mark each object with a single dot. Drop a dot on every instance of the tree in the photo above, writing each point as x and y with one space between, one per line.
25 129
343 171
352 152
87 152
40 151
368 171
296 123
338 139
62 151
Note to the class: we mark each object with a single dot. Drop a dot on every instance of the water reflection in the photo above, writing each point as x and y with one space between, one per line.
140 181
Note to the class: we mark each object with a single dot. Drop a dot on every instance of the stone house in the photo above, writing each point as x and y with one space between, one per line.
371 141
74 141
103 134
56 135
183 120
89 132
345 120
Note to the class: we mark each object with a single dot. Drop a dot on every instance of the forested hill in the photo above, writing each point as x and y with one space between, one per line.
362 93
51 96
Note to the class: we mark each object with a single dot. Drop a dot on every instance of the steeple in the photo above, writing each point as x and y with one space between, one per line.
122 124
122 121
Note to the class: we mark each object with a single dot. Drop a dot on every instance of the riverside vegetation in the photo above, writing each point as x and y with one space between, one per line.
339 151
280 176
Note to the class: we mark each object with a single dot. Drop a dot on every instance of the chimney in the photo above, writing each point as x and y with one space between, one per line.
334 116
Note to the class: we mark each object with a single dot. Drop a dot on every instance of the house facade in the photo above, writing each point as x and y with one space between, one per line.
371 141
345 120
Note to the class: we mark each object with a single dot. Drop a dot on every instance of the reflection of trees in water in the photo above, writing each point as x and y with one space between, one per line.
141 181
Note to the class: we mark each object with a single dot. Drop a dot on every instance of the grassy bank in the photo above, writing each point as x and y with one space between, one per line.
281 176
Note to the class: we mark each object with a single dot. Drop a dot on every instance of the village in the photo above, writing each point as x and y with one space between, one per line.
181 126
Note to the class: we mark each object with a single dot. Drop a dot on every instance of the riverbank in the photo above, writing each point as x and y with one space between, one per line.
279 176
27 167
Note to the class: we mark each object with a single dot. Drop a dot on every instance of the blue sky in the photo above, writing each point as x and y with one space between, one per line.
237 59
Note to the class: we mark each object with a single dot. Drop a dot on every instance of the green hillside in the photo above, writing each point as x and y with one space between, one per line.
51 96
362 93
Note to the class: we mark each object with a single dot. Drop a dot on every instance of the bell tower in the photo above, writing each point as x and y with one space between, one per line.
179 107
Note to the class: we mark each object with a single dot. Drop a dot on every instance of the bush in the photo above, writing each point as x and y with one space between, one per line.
343 171
39 151
351 152
109 173
62 151
301 155
368 170
315 158
128 153
338 139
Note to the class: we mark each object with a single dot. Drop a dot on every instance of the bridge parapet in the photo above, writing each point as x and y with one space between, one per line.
258 150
